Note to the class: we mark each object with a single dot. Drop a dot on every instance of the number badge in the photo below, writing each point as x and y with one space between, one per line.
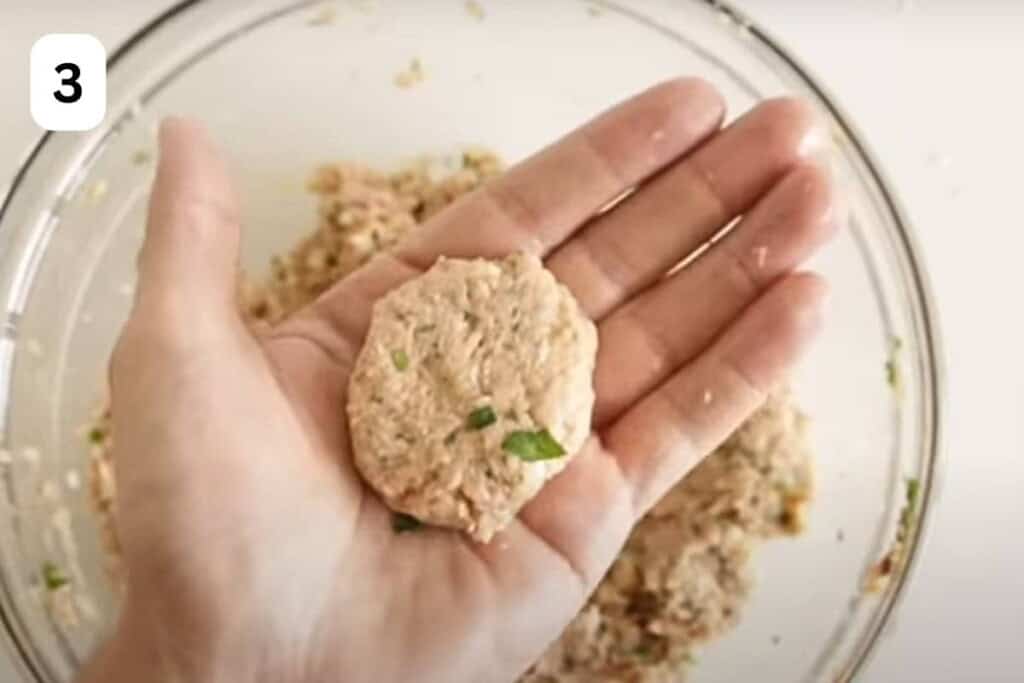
68 81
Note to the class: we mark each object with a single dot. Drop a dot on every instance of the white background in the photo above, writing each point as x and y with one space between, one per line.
937 88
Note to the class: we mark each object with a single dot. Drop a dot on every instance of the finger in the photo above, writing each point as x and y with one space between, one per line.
627 249
649 337
535 205
188 262
540 202
665 434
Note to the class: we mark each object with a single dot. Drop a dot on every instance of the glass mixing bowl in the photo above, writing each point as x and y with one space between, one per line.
285 85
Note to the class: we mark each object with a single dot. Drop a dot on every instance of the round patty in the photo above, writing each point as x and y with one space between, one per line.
473 388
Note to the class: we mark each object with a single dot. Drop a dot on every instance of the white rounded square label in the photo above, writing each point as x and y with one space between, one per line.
68 81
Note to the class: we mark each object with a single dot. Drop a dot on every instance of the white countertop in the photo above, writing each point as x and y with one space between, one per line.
935 87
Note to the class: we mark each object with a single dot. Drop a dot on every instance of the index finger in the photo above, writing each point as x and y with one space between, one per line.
540 202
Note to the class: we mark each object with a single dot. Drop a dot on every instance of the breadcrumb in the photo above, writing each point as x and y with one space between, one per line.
34 347
893 366
325 16
476 10
412 76
97 191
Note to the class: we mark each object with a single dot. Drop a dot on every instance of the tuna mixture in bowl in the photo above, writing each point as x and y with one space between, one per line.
347 125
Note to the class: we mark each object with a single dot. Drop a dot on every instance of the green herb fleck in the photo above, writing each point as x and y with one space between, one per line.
401 360
53 577
401 523
96 435
452 435
893 370
533 446
909 512
481 417
913 491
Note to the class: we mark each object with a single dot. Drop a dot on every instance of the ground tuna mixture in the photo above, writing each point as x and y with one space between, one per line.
684 574
473 388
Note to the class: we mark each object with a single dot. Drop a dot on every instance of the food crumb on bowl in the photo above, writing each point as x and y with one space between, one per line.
141 157
31 455
411 76
53 577
364 6
34 347
476 10
894 560
324 16
95 193
49 491
893 366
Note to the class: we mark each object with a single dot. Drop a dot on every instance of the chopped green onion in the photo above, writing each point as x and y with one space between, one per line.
908 515
533 446
913 491
53 578
481 417
401 523
401 360
893 371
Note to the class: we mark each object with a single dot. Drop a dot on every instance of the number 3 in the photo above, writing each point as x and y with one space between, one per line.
72 81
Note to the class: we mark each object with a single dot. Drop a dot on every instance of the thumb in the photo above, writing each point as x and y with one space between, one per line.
188 265
187 279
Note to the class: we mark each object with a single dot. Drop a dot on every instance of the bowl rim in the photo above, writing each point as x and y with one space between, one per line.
924 317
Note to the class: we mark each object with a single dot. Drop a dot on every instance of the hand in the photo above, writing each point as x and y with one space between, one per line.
253 550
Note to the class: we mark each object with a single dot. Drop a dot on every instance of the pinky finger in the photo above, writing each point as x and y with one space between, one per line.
665 435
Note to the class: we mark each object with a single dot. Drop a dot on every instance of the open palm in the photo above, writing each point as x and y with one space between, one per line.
254 551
